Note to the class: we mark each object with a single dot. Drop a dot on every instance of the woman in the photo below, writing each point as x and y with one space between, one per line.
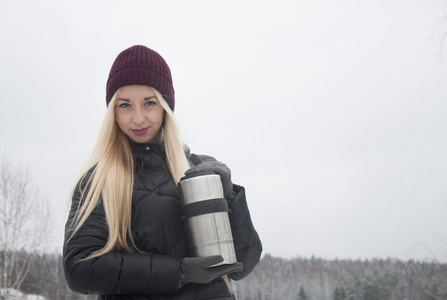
124 237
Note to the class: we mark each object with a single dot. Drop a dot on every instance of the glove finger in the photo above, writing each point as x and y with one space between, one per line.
202 167
235 268
208 261
214 167
227 269
194 170
195 159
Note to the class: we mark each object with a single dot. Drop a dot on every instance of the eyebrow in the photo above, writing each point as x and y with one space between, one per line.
149 98
145 99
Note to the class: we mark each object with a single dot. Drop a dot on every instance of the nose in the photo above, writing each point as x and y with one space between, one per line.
138 117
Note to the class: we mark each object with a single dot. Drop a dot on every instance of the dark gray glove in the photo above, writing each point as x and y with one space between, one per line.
197 269
216 167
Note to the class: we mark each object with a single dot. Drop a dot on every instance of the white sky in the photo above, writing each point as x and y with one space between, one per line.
332 114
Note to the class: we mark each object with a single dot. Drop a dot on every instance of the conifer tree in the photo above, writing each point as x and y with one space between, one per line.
302 294
339 293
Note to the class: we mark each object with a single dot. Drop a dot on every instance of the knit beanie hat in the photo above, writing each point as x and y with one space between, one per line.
139 65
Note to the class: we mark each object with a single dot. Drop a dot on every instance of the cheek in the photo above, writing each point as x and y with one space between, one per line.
160 120
120 121
159 117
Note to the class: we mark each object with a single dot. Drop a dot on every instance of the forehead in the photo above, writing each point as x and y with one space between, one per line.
131 91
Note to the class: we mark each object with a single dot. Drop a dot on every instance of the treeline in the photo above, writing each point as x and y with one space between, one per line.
39 274
280 279
319 279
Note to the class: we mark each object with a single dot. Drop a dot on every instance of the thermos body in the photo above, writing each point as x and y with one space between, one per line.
206 212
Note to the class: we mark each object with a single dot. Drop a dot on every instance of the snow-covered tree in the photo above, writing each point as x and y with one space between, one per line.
24 224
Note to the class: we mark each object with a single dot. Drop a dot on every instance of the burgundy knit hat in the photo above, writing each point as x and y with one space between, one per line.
139 65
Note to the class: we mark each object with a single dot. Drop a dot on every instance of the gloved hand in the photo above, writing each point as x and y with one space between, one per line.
216 167
197 269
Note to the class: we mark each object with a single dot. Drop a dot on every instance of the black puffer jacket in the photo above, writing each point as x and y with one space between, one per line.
159 232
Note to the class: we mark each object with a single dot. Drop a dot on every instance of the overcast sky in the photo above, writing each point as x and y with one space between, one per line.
332 114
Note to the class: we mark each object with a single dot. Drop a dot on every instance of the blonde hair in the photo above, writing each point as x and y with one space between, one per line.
175 151
112 177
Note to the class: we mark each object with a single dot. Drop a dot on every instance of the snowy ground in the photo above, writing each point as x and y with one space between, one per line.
11 294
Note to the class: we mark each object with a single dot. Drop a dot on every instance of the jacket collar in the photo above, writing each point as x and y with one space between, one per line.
138 149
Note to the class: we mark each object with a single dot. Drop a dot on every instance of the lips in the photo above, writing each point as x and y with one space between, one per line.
139 131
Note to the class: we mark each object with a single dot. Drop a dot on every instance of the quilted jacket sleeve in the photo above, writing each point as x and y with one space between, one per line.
113 273
247 244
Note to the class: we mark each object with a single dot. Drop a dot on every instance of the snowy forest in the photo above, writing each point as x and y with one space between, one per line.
319 279
274 279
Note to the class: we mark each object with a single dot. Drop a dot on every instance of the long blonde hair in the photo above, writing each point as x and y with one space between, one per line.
112 177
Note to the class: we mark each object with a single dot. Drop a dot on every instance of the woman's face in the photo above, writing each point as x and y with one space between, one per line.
139 114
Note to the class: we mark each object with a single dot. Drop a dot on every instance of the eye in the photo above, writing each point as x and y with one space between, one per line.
150 103
124 105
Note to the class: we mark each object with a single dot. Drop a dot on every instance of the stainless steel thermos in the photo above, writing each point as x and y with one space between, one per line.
206 214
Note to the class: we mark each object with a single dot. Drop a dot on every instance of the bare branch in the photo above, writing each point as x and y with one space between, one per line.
24 220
